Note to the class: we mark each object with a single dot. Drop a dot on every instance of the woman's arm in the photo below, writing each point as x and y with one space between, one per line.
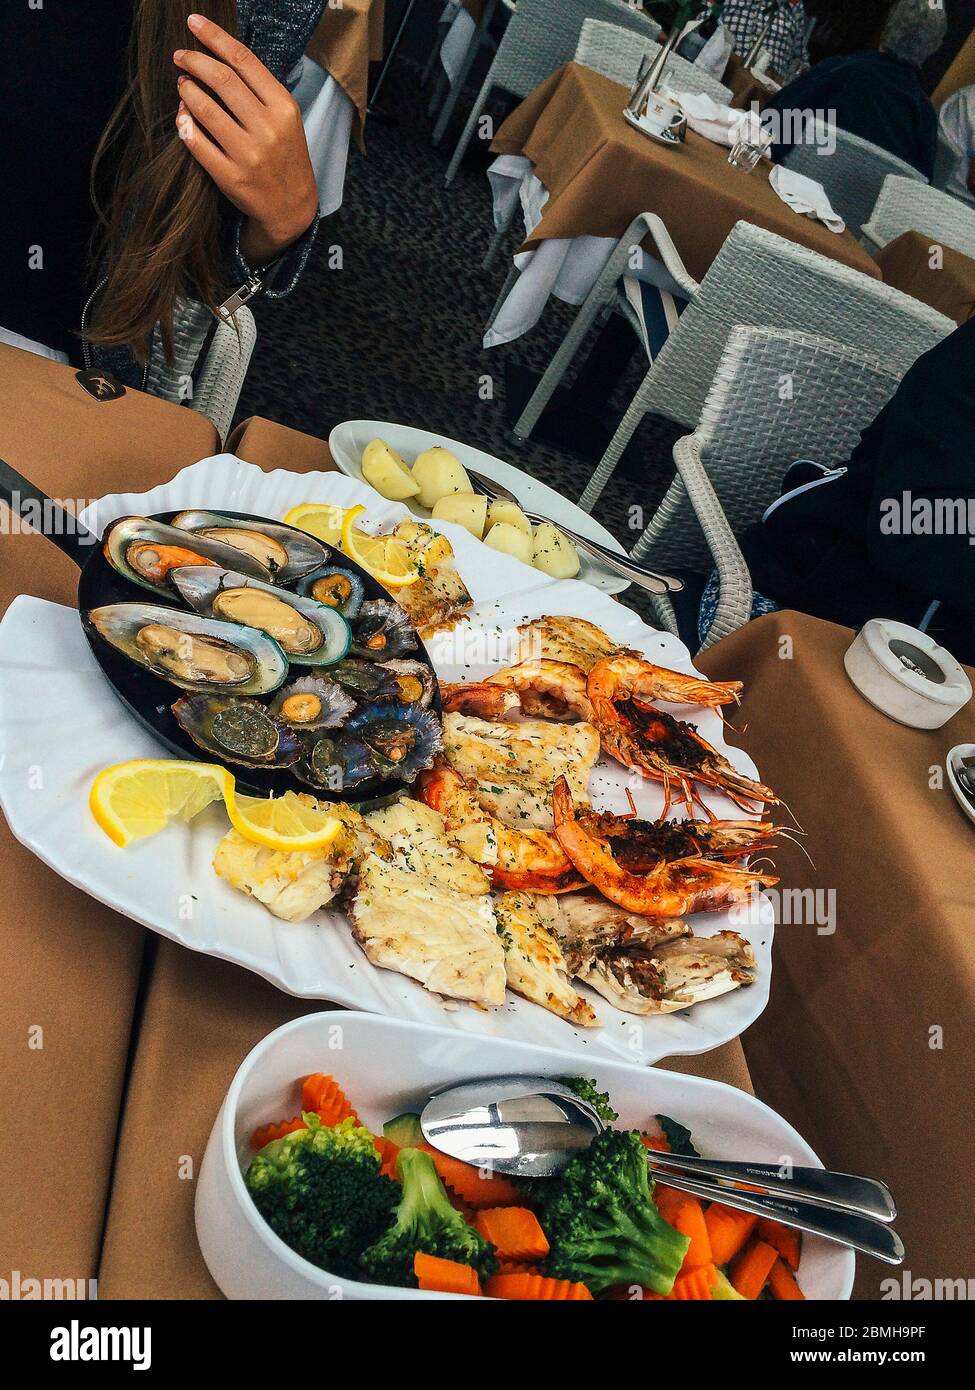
251 141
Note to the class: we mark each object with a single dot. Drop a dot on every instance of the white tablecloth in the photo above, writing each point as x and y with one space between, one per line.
566 267
326 113
457 40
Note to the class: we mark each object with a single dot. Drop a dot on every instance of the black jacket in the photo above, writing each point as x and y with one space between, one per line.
875 96
896 531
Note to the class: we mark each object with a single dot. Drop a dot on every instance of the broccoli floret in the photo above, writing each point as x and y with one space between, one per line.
321 1191
601 1221
677 1136
599 1100
425 1221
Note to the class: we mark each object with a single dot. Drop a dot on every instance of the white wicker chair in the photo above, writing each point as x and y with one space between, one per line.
905 205
540 37
221 379
852 175
759 278
750 431
617 53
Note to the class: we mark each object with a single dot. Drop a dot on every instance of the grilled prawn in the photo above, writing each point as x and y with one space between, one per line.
632 864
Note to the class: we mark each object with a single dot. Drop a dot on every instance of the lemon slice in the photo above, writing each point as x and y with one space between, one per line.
286 823
323 520
133 800
386 558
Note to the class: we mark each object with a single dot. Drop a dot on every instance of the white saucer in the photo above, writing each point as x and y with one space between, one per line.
659 137
953 761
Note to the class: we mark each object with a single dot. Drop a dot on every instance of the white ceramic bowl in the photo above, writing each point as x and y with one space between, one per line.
386 1066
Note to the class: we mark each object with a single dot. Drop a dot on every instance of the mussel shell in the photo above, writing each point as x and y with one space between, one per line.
291 553
391 740
349 606
294 704
237 730
201 587
323 764
120 623
131 530
381 631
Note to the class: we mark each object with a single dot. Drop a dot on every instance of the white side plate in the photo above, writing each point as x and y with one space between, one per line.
348 440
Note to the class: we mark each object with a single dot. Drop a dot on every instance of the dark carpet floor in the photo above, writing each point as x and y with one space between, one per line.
387 320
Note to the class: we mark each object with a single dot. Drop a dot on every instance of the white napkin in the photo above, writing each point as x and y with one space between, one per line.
709 118
806 196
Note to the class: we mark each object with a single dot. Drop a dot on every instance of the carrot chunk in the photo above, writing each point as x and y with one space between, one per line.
694 1285
752 1269
444 1276
265 1134
471 1184
514 1232
686 1215
782 1283
325 1096
728 1230
785 1239
387 1152
534 1287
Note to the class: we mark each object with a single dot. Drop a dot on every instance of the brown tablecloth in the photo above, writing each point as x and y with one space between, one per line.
941 276
202 1016
68 966
600 173
745 86
350 36
851 1048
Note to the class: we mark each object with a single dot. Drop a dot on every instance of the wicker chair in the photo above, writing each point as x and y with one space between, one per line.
905 205
221 378
759 278
732 466
852 175
617 53
540 37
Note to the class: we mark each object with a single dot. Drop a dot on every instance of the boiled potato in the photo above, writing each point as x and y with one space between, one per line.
467 509
510 514
438 473
510 539
554 553
384 470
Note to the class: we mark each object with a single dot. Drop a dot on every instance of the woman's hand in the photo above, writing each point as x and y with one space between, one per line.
251 141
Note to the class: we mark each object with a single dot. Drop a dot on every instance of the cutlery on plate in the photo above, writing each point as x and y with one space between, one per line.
532 1126
623 564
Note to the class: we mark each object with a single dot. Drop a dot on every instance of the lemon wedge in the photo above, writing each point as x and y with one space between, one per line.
386 558
133 800
323 520
285 823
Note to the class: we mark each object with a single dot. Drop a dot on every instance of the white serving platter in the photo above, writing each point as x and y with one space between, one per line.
348 440
61 724
386 1067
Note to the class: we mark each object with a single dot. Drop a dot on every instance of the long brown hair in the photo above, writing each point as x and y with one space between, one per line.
159 219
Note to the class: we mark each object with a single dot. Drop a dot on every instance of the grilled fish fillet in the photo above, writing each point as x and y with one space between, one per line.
588 924
673 976
574 640
418 838
291 885
516 766
533 959
446 940
439 598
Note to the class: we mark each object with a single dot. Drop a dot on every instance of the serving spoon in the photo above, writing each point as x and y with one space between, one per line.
532 1126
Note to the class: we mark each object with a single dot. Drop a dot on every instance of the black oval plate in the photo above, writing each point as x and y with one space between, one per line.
149 697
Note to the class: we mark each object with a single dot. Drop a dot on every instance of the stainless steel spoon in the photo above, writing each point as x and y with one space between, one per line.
623 564
532 1126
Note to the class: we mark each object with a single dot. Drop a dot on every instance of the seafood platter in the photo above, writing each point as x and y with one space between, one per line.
255 645
545 838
